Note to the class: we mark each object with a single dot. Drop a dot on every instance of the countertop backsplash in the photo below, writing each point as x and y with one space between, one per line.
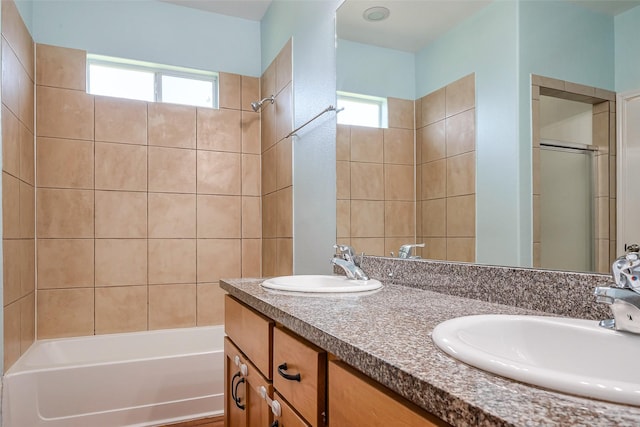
559 292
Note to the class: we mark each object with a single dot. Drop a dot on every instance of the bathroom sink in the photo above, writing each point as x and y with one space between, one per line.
320 283
568 355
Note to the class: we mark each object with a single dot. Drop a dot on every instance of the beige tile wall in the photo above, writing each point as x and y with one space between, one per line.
604 137
375 183
277 161
142 207
18 200
445 172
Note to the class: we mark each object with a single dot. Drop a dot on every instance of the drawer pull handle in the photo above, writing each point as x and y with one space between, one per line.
235 393
233 380
286 376
275 424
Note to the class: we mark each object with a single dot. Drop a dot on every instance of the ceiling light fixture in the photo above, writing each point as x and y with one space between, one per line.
375 14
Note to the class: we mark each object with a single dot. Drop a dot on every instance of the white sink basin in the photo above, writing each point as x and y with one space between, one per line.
568 355
319 283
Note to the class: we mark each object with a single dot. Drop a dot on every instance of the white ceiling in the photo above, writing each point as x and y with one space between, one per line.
413 24
246 9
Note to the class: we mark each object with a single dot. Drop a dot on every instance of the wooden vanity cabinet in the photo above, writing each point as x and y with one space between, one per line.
293 372
244 405
299 374
356 400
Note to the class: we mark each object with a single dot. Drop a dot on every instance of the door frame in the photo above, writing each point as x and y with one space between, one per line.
621 151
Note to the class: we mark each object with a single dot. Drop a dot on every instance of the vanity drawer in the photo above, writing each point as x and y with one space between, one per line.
288 417
299 374
251 332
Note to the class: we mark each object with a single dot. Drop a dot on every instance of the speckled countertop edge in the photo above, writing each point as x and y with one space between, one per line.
387 335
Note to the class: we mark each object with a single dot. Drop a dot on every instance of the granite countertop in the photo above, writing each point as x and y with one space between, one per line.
386 334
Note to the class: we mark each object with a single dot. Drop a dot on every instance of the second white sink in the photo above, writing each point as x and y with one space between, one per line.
569 355
320 283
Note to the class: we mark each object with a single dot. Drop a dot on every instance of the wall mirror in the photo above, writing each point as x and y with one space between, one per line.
482 98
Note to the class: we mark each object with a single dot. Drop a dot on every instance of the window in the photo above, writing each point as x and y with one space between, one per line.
150 82
362 110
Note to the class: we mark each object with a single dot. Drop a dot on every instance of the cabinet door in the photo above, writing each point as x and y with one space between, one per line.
234 414
251 332
355 400
300 375
288 417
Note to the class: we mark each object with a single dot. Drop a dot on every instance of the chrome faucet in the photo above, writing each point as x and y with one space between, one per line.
407 250
345 259
624 296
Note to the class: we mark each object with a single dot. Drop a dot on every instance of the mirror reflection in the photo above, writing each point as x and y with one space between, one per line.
499 141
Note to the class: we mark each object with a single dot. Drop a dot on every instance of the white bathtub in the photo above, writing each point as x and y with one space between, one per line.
133 379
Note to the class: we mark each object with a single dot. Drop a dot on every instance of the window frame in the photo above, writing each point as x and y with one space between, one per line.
367 99
158 72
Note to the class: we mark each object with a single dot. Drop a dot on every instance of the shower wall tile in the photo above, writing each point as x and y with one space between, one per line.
172 215
11 270
172 306
27 148
120 215
171 125
120 120
65 312
120 262
398 182
172 261
284 112
10 142
219 130
251 174
399 219
284 165
120 166
65 163
283 69
121 309
61 67
433 107
249 92
398 146
461 131
210 304
219 173
251 218
218 259
461 177
10 206
27 211
230 91
367 181
367 144
11 331
284 261
433 141
219 217
251 257
65 213
269 171
343 142
400 113
77 256
172 170
460 95
251 128
27 322
64 113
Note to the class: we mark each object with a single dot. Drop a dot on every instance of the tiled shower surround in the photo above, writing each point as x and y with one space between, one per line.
382 205
18 185
145 205
141 207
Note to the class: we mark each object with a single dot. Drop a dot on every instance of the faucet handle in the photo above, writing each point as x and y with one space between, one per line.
626 271
346 251
406 250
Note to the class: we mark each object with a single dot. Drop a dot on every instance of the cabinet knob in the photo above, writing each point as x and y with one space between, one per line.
281 370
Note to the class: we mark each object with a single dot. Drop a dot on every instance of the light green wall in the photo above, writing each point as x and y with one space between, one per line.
375 71
486 44
151 30
311 24
627 51
563 41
